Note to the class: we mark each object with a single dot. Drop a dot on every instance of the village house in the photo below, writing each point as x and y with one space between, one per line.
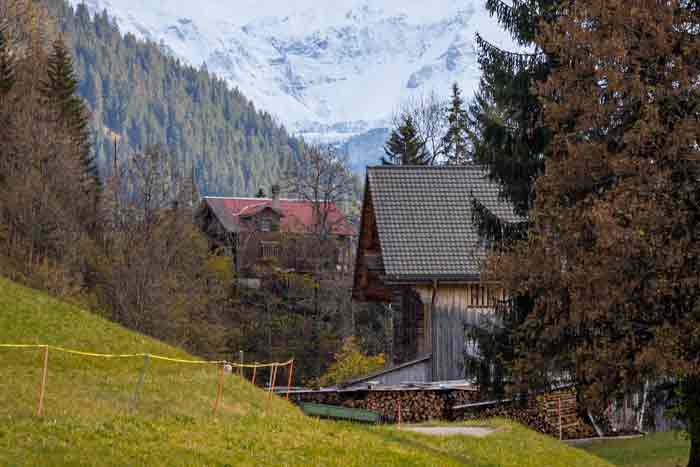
296 235
419 253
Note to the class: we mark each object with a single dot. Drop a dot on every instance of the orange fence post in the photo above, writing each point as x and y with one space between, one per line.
273 379
42 388
559 414
289 380
219 389
254 370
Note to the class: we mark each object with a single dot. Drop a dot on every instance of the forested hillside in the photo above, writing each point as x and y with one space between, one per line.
141 96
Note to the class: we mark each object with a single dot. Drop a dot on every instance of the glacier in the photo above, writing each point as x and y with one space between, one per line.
329 70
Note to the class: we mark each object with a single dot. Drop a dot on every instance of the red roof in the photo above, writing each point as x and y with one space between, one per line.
297 216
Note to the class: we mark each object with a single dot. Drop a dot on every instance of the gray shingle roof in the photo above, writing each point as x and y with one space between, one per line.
424 219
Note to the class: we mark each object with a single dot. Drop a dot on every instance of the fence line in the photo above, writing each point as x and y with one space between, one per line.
146 356
142 355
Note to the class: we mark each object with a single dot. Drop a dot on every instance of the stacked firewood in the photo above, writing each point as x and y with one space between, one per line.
410 406
414 405
555 413
561 414
545 412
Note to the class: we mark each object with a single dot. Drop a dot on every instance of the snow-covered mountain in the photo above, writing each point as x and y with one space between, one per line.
329 70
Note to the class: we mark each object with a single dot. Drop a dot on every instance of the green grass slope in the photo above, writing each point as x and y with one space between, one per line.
90 418
669 449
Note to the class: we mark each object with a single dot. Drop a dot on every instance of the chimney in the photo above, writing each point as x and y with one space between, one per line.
276 197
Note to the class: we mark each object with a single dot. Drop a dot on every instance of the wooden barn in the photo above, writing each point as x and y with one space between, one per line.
420 254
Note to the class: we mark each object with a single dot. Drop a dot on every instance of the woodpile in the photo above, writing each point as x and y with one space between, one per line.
545 412
555 413
414 405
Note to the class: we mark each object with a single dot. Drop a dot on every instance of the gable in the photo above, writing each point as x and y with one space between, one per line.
297 216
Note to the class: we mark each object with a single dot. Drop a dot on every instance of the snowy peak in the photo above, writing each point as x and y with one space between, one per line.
326 69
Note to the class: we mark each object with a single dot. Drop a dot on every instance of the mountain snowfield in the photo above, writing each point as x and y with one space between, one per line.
329 70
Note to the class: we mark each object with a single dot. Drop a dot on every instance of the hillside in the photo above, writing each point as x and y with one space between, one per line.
88 420
144 96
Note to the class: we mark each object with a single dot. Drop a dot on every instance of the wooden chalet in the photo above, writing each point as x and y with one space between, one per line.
274 229
419 252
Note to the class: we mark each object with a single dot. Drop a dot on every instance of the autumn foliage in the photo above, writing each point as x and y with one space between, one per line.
350 362
612 259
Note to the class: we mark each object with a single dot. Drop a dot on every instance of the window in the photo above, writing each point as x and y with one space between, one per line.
484 296
266 224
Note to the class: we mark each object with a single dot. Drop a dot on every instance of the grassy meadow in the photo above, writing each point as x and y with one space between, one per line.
91 417
655 450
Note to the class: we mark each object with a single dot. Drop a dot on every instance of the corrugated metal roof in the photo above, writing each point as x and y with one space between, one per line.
297 215
424 219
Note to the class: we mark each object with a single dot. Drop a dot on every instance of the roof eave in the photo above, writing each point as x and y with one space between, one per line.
409 279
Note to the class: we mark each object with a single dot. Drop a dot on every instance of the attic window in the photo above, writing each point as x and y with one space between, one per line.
266 224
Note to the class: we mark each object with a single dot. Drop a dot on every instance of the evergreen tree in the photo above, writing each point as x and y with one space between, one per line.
142 96
456 140
60 91
261 194
405 146
507 133
7 74
508 137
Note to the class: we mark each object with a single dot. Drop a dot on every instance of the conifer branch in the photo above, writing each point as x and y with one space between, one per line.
492 228
515 61
513 17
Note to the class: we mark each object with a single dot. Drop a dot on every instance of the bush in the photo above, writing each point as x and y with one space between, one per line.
349 363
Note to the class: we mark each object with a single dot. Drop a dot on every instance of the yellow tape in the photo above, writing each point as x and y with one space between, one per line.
262 365
23 346
141 355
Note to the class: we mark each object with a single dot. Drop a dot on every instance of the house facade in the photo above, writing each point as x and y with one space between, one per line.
420 254
295 235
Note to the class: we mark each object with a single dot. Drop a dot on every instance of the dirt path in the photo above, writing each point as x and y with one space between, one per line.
476 431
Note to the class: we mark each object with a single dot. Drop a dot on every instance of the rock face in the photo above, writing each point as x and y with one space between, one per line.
329 70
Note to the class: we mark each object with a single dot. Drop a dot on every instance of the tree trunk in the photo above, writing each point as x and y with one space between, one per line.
692 405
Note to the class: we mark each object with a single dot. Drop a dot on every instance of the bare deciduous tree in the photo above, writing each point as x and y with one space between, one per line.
321 176
154 252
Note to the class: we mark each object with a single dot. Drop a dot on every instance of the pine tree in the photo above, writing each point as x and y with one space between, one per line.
507 133
509 139
455 143
7 74
405 146
60 91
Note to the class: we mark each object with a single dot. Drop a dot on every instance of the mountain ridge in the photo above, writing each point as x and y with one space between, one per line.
140 96
328 72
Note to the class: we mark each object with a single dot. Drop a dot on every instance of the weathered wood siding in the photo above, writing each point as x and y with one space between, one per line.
416 373
456 307
409 328
369 269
